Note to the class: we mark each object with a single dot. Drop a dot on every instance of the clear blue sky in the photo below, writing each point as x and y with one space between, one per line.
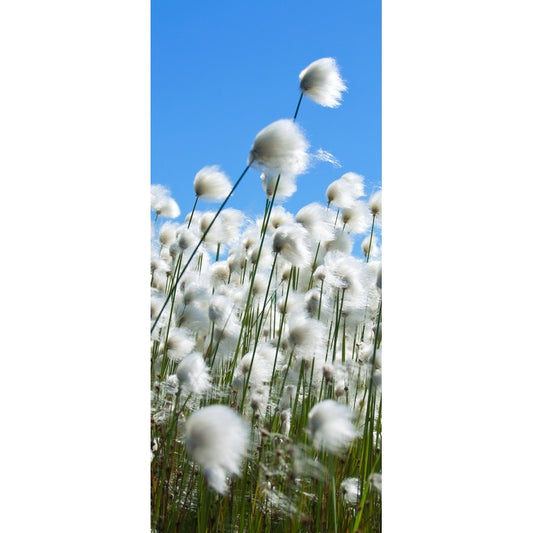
222 71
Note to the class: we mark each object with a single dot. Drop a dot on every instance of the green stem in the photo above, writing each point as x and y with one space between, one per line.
192 212
333 490
298 107
370 242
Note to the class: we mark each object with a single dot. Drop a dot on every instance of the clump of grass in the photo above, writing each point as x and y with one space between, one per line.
266 350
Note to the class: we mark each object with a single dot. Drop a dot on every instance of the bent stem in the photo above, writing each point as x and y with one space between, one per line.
202 238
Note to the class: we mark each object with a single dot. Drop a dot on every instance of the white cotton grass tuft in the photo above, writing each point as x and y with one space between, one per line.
375 481
225 228
355 182
321 82
193 374
279 216
291 242
305 335
211 184
217 439
180 342
232 221
341 242
157 193
356 218
351 490
162 203
259 402
256 374
317 220
344 191
349 274
331 426
219 273
367 247
280 148
167 233
374 204
286 186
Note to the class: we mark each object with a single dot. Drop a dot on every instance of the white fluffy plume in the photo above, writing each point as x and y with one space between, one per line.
211 184
322 83
331 426
217 439
280 148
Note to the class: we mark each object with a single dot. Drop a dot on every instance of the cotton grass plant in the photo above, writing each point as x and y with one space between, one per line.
266 348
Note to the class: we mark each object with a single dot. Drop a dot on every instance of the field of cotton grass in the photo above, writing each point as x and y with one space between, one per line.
266 346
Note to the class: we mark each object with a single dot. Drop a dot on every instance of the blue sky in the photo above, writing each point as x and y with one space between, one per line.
220 72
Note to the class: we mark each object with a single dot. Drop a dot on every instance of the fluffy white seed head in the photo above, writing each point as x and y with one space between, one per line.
286 186
236 260
259 401
320 273
356 218
232 220
322 83
317 220
292 303
217 439
351 490
257 372
375 203
375 481
305 335
280 148
162 203
168 208
279 216
287 398
220 272
355 183
158 193
167 233
193 374
285 417
366 246
186 238
291 241
331 426
226 227
312 301
344 191
211 184
180 343
221 309
346 272
341 242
